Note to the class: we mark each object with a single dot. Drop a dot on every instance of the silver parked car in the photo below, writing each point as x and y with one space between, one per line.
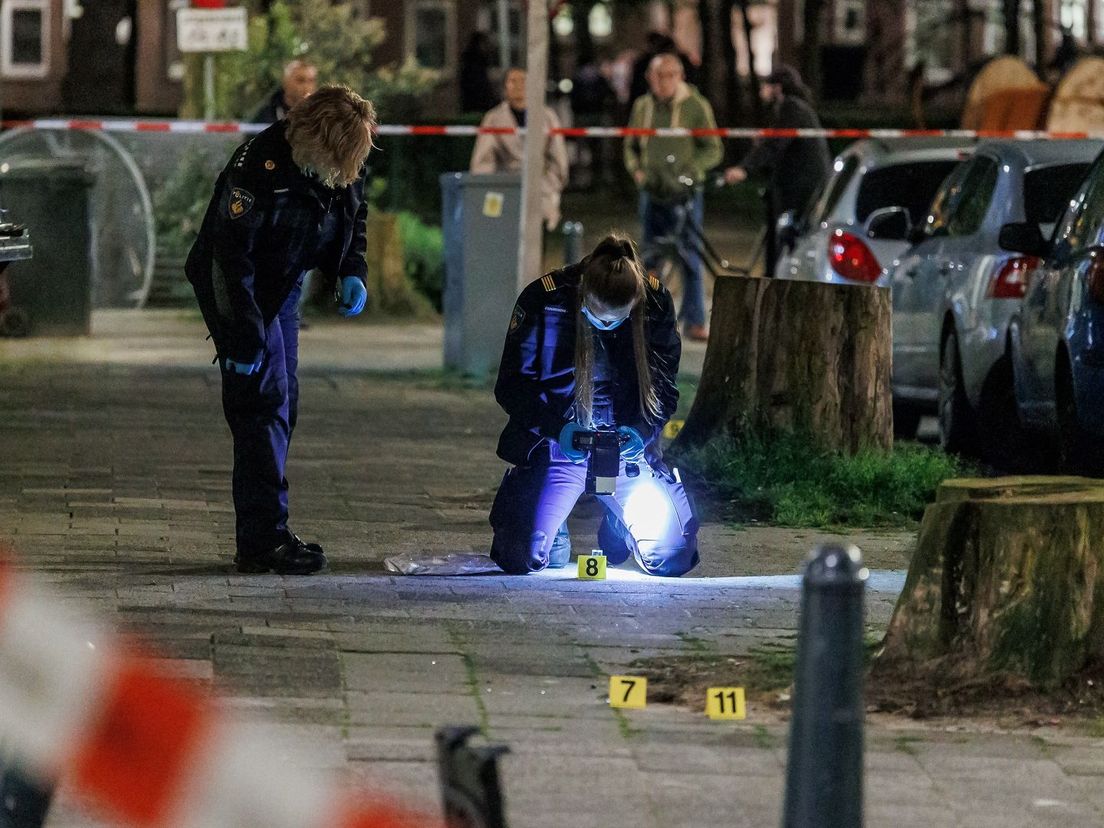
870 177
955 290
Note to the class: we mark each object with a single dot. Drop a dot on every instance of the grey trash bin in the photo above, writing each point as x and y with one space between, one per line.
479 219
50 197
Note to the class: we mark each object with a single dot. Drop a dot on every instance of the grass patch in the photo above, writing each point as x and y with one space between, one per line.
787 480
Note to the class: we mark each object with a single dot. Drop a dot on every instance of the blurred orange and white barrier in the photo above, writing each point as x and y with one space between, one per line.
140 747
196 127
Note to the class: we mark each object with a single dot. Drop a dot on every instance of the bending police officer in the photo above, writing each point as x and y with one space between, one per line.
594 345
291 199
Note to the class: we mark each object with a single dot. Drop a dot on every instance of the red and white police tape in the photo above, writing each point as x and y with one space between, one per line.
199 127
140 747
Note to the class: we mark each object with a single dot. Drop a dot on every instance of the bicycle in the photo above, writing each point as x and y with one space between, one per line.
671 252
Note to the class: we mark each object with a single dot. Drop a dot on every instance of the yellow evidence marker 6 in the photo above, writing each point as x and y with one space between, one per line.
592 567
725 703
628 691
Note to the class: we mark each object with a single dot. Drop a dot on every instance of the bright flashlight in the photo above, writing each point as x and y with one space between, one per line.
648 510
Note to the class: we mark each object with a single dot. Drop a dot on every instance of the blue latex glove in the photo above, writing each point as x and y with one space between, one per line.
632 446
567 433
353 296
245 368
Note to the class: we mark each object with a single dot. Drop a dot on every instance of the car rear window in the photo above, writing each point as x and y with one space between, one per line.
1048 190
910 185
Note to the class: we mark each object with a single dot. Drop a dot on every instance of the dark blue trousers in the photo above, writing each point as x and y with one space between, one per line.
649 517
261 409
657 219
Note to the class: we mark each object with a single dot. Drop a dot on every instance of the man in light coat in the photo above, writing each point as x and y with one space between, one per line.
505 153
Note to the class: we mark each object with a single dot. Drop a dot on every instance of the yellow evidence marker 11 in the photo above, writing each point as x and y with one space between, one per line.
725 703
592 567
628 691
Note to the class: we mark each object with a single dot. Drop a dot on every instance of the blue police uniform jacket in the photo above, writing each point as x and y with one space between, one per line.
267 223
536 376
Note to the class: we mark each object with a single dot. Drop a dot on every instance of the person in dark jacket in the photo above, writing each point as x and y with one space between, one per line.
290 199
795 167
477 93
594 345
298 83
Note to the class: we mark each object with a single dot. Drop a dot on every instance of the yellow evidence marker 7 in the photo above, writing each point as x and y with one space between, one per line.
592 567
725 703
628 691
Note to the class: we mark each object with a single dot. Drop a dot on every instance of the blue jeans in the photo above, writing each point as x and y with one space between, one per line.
651 510
658 219
261 410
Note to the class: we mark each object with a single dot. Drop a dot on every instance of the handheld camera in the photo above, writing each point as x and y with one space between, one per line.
603 448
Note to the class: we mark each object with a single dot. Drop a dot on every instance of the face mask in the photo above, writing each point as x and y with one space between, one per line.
600 324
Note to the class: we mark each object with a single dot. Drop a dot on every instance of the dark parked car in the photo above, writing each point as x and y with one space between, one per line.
1057 336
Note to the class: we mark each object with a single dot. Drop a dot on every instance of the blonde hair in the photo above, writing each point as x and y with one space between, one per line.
331 134
614 276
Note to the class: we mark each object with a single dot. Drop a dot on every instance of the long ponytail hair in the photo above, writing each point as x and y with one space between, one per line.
614 276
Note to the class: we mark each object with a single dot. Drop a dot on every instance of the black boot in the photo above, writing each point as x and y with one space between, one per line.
293 557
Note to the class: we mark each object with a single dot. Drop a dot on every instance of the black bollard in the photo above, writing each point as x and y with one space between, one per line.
23 801
469 780
825 766
572 241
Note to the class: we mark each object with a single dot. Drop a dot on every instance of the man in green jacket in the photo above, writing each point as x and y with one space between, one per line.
670 172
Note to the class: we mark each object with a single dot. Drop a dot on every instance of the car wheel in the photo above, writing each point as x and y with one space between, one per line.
1004 441
1079 451
957 425
906 419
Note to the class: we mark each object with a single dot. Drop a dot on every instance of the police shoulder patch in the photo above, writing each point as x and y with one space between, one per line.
516 318
241 201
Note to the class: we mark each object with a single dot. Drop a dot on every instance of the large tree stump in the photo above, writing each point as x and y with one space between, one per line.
1007 578
794 356
389 289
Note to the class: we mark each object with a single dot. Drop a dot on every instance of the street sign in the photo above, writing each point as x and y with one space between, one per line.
212 30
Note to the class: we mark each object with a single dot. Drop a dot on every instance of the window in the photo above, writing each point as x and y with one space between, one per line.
850 23
826 203
25 38
431 34
1081 225
489 20
973 200
1048 190
929 38
910 185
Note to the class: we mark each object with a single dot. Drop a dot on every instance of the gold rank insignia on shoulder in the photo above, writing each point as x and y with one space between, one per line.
240 202
548 282
653 282
270 164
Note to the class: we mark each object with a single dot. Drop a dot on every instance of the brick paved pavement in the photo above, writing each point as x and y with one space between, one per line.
114 483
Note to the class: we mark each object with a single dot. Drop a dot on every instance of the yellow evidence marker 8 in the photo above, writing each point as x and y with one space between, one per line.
592 567
725 703
628 691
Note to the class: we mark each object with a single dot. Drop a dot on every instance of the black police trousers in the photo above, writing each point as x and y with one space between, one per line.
261 409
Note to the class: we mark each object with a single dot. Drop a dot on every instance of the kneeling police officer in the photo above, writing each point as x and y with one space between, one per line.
592 346
290 200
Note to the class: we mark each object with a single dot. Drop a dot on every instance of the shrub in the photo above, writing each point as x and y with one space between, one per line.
786 479
424 255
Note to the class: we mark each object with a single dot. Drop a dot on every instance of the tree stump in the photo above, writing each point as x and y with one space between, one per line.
803 357
1007 579
389 289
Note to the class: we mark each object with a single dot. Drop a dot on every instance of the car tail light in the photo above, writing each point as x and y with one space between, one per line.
851 258
1011 280
1094 277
